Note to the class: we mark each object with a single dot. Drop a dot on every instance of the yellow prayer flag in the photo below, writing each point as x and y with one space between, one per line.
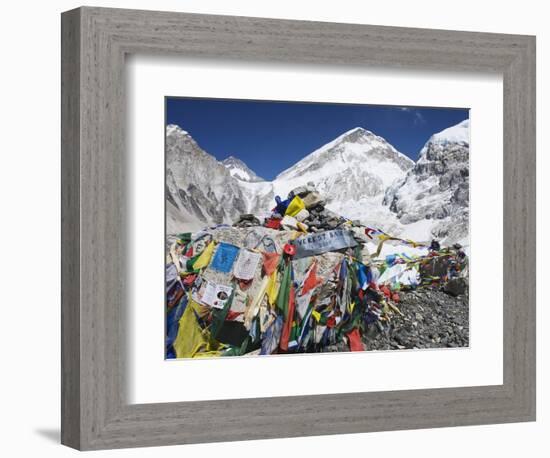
296 205
192 341
204 259
272 288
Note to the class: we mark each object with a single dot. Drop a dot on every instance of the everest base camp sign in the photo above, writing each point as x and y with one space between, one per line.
314 244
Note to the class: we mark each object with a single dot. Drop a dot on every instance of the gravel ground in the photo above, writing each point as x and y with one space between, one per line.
432 319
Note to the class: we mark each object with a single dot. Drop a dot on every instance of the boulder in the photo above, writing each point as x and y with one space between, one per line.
301 191
456 286
312 199
247 220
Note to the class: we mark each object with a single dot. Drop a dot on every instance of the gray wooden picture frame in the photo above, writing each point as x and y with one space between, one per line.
95 412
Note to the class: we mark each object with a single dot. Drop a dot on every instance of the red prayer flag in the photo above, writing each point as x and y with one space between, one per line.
354 338
331 321
271 260
188 280
311 280
273 223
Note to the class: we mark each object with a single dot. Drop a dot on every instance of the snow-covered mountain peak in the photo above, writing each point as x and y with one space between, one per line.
354 134
239 170
357 135
437 187
174 129
441 142
353 170
355 148
459 133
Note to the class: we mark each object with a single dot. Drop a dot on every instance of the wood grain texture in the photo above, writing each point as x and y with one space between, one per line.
70 233
96 413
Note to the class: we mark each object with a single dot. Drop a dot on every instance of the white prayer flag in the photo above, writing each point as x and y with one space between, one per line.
246 265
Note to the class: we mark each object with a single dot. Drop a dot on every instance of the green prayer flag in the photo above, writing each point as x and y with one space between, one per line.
184 237
284 291
219 316
190 262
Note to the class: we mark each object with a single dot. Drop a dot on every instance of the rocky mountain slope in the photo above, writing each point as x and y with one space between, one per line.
361 175
437 187
199 189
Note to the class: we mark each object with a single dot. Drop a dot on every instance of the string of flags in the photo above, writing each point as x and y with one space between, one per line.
304 285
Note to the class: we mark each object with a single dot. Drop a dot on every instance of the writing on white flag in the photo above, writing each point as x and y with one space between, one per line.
321 242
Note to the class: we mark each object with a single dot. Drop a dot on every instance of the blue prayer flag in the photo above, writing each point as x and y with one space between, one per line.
224 257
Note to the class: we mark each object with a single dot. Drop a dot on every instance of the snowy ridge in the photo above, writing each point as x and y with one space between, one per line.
459 133
360 174
174 129
436 189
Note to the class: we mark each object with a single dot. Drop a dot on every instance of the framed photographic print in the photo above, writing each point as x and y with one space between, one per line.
276 220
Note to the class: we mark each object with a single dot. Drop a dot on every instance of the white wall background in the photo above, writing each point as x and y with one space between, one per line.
29 228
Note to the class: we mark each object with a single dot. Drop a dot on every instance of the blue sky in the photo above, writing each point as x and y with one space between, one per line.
272 136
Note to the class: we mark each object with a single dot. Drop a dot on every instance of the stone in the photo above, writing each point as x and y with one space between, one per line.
247 220
301 191
289 223
455 287
302 215
312 199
